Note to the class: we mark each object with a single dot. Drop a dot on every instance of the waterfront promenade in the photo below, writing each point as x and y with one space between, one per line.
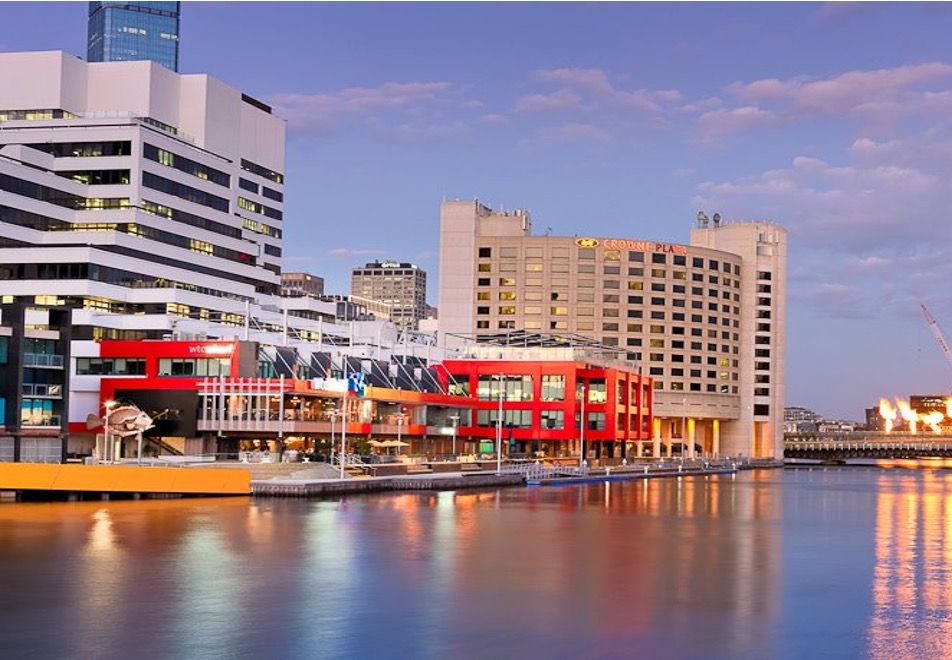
322 479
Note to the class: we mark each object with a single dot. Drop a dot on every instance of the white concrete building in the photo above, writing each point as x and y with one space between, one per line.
152 203
705 320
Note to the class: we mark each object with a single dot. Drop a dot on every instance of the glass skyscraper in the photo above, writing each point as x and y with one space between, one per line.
125 31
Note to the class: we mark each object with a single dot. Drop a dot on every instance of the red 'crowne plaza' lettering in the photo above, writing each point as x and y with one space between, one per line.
645 246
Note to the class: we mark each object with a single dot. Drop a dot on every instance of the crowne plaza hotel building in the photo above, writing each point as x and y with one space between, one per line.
705 320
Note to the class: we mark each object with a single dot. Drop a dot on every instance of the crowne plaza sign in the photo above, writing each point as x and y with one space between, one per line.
625 244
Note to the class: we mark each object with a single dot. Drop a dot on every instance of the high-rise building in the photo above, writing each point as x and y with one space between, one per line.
402 286
705 320
301 284
120 32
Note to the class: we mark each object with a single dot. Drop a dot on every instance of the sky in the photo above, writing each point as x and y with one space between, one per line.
620 120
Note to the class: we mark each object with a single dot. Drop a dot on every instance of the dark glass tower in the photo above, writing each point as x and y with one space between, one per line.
119 32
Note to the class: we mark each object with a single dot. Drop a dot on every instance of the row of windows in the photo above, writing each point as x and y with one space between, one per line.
110 367
30 115
260 227
183 164
189 219
589 269
182 191
512 252
198 367
97 177
106 274
84 149
261 171
24 188
256 207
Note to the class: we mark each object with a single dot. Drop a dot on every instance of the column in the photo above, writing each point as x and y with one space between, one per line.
716 437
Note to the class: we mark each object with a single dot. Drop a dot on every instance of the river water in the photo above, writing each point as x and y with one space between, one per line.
805 563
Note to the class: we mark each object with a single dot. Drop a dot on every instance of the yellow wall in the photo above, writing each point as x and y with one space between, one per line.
123 479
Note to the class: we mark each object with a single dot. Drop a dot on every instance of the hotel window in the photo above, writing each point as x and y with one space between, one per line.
484 268
656 371
482 295
636 256
713 265
585 284
552 419
508 252
677 385
680 260
482 281
482 310
507 295
534 267
507 267
559 267
532 295
585 325
585 296
558 325
656 343
507 281
507 325
485 252
609 327
560 253
610 312
532 325
482 325
680 275
656 357
697 262
532 310
610 284
659 316
657 301
635 327
657 258
635 300
633 341
610 297
587 269
636 272
586 253
560 283
635 314
559 311
507 310
612 255
533 281
636 286
535 252
585 311
611 270
553 387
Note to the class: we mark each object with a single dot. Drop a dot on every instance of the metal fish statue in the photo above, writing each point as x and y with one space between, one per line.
123 421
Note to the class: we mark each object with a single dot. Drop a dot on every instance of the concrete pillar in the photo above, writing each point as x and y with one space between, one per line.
656 437
716 437
689 437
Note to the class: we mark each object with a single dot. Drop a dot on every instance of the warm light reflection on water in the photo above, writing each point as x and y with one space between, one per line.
808 563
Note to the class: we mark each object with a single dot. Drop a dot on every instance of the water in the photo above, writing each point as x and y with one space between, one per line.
822 563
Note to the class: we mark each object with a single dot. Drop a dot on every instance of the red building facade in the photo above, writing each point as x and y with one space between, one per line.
554 408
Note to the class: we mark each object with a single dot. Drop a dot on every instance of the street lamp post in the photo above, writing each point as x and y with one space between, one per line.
581 444
343 434
502 394
400 417
105 430
455 419
332 413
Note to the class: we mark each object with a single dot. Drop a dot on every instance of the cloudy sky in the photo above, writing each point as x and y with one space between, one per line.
621 120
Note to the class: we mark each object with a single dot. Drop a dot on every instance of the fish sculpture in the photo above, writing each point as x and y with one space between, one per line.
123 421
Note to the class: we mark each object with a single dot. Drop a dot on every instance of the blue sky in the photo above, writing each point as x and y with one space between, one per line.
622 120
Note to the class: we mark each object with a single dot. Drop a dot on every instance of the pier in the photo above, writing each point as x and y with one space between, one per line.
842 446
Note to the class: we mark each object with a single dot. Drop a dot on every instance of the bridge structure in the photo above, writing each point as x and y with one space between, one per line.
865 444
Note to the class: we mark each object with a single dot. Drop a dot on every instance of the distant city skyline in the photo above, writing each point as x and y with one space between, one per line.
830 119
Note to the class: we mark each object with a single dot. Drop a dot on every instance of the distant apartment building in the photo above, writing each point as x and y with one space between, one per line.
301 284
800 420
128 31
705 320
401 286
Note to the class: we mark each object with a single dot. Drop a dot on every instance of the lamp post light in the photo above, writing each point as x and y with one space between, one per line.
400 417
502 394
581 445
455 419
105 430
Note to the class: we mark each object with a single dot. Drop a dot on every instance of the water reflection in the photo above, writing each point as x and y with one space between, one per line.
912 612
825 563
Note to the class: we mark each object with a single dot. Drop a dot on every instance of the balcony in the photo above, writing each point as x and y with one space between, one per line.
43 360
42 391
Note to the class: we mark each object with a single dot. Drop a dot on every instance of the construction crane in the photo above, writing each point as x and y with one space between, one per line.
938 333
